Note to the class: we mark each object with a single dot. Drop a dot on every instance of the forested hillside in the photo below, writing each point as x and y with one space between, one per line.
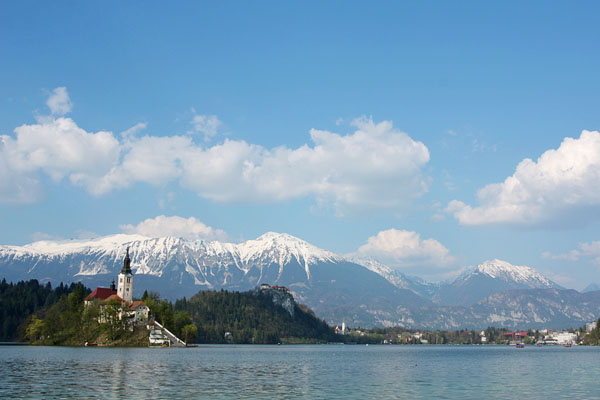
252 317
18 301
45 315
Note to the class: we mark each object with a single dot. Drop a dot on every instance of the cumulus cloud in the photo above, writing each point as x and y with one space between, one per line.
57 147
188 228
60 148
374 167
208 125
584 251
406 249
560 188
59 102
16 187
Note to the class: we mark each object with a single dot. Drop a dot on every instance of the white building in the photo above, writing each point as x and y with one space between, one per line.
483 337
561 338
135 312
590 326
125 286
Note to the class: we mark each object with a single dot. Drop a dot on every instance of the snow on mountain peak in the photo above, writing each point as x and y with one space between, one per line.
153 256
108 243
522 274
281 247
277 236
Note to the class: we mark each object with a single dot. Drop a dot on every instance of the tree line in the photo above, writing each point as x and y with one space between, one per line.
18 301
30 311
251 317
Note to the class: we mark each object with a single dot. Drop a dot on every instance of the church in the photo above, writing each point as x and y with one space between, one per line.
135 312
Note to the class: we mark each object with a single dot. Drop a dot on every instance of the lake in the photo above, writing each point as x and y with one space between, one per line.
300 371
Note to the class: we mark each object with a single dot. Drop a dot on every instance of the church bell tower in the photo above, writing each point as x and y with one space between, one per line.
125 288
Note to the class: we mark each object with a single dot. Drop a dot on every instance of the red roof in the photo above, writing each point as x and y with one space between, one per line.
114 297
101 293
135 305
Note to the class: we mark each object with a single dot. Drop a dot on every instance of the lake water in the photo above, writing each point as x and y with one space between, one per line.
298 371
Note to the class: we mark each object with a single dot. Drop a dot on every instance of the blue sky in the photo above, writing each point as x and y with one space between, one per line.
357 127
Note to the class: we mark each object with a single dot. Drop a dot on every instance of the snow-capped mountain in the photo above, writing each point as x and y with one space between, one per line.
397 278
502 270
361 292
331 285
488 278
160 256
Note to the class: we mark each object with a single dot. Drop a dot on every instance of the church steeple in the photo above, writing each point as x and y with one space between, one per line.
125 288
126 264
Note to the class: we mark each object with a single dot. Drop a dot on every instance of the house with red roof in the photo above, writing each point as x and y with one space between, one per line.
135 312
101 293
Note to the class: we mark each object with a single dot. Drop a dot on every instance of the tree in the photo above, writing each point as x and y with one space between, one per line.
180 320
189 332
34 329
89 321
112 324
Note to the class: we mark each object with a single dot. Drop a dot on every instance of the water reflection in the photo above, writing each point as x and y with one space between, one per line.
216 372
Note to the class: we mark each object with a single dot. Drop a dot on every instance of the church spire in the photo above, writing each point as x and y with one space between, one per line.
125 288
126 264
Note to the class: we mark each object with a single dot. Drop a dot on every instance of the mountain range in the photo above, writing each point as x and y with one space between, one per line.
361 292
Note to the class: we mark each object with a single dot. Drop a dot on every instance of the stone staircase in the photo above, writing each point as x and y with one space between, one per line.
174 341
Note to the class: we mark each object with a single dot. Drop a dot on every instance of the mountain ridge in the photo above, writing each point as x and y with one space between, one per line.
360 291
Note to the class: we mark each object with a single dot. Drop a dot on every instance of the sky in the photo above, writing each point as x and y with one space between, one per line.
431 136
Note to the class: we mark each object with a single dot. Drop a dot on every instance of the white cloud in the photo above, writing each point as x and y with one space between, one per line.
140 126
153 160
405 249
59 101
375 167
60 148
561 188
188 228
585 250
16 187
40 236
208 125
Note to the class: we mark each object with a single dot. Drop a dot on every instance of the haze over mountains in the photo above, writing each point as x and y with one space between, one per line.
361 292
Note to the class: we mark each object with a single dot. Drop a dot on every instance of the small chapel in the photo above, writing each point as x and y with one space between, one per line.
135 312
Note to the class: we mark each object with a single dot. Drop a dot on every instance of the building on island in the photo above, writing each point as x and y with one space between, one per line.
135 312
101 293
125 288
132 312
341 331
